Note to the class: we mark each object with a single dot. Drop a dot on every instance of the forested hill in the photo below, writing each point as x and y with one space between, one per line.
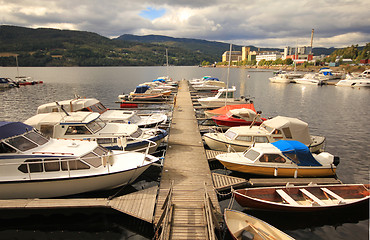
53 47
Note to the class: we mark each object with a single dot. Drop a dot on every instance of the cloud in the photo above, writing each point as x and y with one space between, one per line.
263 23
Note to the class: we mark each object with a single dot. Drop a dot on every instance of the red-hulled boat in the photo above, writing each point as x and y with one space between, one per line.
304 198
239 117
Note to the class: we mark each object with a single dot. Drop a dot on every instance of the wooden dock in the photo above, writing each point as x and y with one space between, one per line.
187 174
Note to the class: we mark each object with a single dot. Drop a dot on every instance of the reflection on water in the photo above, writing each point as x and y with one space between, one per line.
339 114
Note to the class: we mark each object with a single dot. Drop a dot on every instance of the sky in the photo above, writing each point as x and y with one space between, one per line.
261 23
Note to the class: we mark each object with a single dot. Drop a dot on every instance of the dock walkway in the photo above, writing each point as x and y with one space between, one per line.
186 169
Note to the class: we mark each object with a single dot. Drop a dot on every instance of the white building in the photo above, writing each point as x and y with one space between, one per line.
268 56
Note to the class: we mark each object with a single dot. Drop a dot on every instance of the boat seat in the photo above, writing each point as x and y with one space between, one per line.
313 197
286 197
334 195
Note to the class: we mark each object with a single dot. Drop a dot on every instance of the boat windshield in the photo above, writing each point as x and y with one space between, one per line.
99 108
252 155
96 125
137 133
268 129
134 119
21 143
229 95
230 134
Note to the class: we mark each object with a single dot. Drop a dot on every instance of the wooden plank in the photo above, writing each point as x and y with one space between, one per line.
313 197
328 191
286 197
223 182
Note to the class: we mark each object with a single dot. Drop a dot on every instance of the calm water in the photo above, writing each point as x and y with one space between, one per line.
340 114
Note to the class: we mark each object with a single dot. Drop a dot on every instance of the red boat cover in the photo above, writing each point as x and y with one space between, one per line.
223 110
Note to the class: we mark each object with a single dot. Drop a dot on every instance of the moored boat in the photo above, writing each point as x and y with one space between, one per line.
106 114
225 109
238 117
33 166
244 226
272 130
311 198
284 158
224 96
89 126
7 83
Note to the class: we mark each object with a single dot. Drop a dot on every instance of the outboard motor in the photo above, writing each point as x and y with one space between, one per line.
336 160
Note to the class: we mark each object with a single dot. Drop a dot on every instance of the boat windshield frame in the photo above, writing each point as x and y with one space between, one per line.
98 107
230 134
252 155
26 141
96 125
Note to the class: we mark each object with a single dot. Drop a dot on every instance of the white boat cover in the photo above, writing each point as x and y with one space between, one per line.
298 128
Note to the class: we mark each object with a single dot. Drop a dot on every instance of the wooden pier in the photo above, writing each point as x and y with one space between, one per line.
186 176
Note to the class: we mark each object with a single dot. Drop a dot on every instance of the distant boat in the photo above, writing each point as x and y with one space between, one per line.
222 98
243 226
310 79
280 78
351 81
7 83
146 93
311 198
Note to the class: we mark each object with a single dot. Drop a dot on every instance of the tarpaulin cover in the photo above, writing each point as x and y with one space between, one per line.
10 129
304 156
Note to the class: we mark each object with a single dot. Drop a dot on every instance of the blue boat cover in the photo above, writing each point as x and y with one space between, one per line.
141 89
159 80
304 156
213 79
10 129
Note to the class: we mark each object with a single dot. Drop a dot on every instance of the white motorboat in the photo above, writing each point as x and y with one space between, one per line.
89 126
284 158
7 83
146 93
272 130
224 96
210 84
106 114
351 81
310 78
280 78
33 166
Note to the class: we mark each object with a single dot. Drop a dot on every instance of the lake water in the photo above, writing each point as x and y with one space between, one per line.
338 113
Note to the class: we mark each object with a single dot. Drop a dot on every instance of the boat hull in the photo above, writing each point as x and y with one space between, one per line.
68 186
233 122
273 171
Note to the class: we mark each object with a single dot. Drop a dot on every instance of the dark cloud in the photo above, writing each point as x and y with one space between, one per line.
260 22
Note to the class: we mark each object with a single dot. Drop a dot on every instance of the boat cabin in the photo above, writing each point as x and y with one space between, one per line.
282 152
226 93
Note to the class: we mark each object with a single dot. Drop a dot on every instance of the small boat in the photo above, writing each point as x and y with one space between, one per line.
238 117
24 80
146 93
280 78
209 84
106 114
89 126
225 96
310 198
351 81
310 79
33 166
225 109
7 83
284 158
244 226
272 130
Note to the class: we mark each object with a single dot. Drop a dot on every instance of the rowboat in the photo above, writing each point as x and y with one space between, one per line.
304 198
245 226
